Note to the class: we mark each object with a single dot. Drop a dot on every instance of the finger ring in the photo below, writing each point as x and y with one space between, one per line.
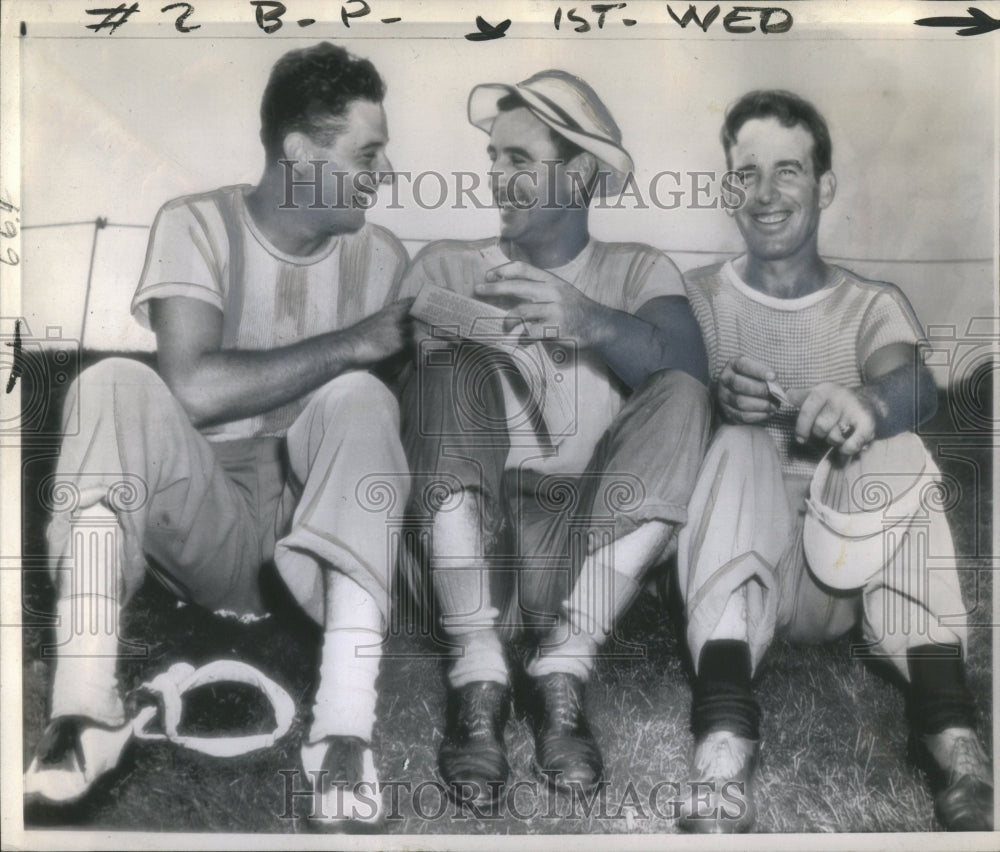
846 430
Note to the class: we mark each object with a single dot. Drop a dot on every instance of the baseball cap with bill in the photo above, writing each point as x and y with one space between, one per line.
572 109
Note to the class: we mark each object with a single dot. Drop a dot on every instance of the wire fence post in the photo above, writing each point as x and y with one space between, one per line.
100 223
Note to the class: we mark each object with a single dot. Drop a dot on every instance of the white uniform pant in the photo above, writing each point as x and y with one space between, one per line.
204 517
744 535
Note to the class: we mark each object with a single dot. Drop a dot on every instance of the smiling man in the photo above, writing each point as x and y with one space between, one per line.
547 538
270 304
816 372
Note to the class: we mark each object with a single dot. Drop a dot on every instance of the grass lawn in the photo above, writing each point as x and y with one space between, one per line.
834 738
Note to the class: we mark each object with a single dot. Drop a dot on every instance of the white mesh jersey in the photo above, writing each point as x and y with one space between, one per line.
208 247
623 276
827 336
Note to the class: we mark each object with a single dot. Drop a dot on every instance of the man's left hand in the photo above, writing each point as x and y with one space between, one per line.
547 302
836 414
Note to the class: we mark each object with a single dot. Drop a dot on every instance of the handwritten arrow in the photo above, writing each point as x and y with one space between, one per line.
487 31
980 21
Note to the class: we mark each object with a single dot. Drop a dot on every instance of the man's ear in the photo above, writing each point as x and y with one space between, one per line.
585 164
297 147
827 189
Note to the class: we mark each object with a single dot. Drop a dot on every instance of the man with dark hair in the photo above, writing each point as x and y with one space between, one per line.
270 304
309 91
818 378
789 110
542 536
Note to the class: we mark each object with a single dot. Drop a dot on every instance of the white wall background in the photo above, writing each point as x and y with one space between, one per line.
114 127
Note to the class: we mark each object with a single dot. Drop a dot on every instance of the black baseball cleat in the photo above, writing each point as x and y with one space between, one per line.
962 776
719 792
472 759
566 753
350 799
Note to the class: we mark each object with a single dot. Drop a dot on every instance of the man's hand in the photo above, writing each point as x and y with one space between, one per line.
742 391
838 415
382 334
547 301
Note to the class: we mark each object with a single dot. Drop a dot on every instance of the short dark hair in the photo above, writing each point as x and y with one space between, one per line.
565 148
791 111
310 90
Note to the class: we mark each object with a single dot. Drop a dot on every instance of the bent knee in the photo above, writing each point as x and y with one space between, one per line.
748 452
110 375
676 387
120 371
359 392
676 400
902 453
741 438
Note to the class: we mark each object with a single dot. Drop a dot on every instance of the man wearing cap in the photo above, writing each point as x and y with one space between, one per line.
270 305
533 535
815 508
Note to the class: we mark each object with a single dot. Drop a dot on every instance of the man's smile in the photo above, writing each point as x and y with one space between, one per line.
772 218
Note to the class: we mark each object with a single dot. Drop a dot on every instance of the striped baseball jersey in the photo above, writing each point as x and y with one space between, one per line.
826 336
623 276
208 247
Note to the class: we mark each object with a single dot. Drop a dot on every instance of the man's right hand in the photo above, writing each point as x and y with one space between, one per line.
742 392
382 334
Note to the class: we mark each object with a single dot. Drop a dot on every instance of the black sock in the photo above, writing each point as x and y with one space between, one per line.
723 699
938 696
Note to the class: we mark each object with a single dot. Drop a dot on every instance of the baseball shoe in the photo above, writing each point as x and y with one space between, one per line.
350 800
566 753
73 753
472 758
720 786
963 777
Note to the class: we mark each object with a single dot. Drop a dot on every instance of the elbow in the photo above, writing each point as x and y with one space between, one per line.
195 404
198 410
190 394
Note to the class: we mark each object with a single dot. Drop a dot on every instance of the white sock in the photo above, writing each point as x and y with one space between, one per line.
607 585
462 590
345 700
480 653
84 682
349 662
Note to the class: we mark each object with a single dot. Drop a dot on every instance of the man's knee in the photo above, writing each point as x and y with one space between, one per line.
741 439
674 387
360 394
114 374
904 453
134 392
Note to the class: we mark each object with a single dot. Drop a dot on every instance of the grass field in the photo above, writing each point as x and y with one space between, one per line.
834 738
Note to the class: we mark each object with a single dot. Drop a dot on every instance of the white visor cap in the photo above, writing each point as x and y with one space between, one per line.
858 509
572 109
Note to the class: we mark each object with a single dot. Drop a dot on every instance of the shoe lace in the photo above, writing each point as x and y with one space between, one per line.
564 702
966 758
478 715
